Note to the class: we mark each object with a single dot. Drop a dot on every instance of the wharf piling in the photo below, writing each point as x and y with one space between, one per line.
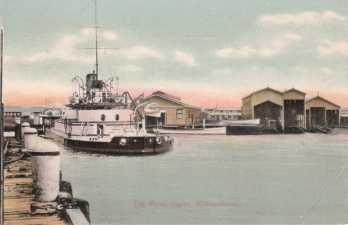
19 197
45 158
34 190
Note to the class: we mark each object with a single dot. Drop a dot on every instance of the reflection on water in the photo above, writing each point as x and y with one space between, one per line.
218 180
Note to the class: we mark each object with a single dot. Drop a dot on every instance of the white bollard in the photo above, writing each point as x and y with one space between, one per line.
23 127
45 157
30 137
29 143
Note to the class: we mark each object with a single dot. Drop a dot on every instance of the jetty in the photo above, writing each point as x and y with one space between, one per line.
34 191
19 197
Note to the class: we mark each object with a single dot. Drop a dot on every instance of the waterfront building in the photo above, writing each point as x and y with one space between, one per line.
35 118
174 112
322 112
344 117
11 123
11 114
220 114
275 109
11 119
294 108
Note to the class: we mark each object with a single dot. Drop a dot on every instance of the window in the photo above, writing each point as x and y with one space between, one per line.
102 117
179 113
117 117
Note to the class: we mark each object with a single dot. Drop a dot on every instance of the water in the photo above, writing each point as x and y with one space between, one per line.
269 179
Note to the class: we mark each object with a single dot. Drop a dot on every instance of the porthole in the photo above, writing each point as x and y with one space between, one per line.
102 117
117 117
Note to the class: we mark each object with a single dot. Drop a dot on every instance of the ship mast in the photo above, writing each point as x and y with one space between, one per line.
96 36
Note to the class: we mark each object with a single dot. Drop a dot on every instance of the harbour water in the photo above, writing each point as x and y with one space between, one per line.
287 179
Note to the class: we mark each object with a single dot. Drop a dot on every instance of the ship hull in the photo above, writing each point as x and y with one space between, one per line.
133 146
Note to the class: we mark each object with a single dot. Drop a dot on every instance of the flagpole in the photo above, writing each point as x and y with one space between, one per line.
2 177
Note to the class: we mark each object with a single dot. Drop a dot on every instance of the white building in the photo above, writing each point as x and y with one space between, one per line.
219 114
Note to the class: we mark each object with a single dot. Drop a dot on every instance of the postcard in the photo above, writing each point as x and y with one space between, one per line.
173 112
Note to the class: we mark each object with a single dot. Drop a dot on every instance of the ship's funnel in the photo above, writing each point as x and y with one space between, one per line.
93 82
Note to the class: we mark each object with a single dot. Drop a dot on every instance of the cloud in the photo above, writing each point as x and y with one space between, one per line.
104 34
130 68
329 48
185 58
110 36
301 18
65 48
141 52
8 59
276 46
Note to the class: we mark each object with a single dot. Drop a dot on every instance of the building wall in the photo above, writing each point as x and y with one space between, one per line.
193 116
321 113
267 95
268 111
189 117
247 108
265 105
344 117
294 109
294 113
249 103
293 95
344 121
291 106
332 118
317 116
218 114
171 116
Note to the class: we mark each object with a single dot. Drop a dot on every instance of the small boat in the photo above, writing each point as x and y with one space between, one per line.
243 127
197 131
254 122
221 130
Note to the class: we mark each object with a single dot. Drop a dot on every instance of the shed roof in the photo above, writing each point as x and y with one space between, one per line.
170 98
166 94
262 90
295 90
324 100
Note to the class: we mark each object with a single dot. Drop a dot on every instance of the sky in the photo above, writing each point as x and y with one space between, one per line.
210 53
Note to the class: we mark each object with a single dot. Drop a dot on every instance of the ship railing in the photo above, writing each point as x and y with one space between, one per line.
103 122
84 131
